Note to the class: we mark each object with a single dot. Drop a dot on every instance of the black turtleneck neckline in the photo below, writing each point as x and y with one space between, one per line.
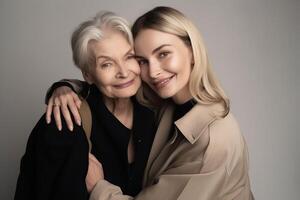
182 109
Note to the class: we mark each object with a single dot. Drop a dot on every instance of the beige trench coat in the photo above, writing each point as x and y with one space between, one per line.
206 159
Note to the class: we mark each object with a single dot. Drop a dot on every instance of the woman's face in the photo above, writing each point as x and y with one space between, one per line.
116 72
165 62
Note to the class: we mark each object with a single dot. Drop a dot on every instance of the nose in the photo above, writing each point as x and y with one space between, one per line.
154 69
122 71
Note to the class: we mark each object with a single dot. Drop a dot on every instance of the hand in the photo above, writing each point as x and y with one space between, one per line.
63 99
95 173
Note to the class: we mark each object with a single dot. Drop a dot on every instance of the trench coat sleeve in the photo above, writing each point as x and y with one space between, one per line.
171 187
223 174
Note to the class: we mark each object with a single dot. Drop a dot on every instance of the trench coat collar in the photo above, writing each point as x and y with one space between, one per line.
196 121
191 126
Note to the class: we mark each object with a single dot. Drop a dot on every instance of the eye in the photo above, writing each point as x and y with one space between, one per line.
105 65
142 62
163 54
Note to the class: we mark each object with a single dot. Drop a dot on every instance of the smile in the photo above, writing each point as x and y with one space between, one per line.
124 85
162 83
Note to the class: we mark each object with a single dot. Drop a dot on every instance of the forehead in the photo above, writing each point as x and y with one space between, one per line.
149 39
111 43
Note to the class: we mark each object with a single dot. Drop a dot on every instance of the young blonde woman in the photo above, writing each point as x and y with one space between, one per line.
198 151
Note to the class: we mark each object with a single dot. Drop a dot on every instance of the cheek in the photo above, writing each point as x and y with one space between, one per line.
184 75
182 66
175 64
144 74
134 67
103 78
137 70
105 86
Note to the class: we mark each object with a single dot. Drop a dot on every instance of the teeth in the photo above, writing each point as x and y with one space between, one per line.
165 81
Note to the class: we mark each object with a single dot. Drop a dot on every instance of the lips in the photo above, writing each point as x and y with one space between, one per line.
124 85
162 82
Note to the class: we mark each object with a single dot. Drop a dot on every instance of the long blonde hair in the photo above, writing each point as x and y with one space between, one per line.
203 85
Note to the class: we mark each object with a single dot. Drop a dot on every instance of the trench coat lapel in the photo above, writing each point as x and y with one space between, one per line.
160 139
192 125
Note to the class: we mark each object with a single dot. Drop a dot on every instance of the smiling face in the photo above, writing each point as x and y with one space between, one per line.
165 62
116 73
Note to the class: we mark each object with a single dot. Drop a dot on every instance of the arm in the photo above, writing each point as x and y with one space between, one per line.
216 184
63 97
168 186
25 182
76 85
47 168
221 174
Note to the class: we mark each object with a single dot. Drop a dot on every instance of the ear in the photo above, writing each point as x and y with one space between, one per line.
192 57
192 61
87 77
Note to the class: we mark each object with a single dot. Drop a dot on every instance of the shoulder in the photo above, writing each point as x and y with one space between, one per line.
49 136
226 129
142 108
226 144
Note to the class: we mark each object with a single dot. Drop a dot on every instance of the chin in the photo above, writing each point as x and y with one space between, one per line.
127 94
165 94
124 95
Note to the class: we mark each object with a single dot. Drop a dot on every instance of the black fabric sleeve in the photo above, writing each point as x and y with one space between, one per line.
54 165
79 87
54 87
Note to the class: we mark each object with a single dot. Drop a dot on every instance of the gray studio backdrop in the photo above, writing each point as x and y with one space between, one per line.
253 45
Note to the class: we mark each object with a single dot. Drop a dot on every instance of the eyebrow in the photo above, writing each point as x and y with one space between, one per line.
110 58
104 57
159 48
155 50
129 51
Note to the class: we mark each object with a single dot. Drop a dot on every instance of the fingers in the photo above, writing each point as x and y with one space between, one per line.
63 101
93 159
66 113
56 113
49 110
71 102
76 100
74 110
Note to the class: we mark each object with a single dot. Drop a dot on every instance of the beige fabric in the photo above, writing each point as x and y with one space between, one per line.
86 117
206 159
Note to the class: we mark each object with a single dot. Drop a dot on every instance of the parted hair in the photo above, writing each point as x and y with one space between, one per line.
94 30
203 84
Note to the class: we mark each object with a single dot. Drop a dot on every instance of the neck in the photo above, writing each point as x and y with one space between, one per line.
121 108
182 96
118 105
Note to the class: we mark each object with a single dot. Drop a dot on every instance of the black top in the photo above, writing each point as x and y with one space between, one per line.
110 140
182 109
55 163
179 111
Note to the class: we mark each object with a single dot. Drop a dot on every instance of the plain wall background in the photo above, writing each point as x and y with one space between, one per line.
253 45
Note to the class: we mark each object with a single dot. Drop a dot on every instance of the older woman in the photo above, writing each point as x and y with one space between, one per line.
198 151
55 163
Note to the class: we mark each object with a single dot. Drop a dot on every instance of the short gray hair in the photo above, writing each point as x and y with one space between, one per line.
93 30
